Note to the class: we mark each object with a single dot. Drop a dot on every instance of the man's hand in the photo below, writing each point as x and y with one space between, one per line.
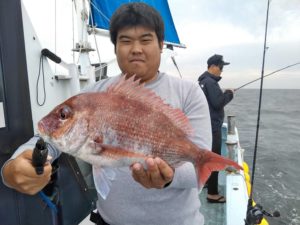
157 175
230 90
20 174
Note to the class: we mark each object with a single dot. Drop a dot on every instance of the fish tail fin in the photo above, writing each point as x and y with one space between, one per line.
208 162
102 179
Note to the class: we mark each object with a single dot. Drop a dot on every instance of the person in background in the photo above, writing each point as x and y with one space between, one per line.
161 195
217 99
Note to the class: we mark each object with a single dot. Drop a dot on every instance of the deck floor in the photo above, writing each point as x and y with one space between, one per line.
214 214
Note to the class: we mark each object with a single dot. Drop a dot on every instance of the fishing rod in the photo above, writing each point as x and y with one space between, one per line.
283 68
255 213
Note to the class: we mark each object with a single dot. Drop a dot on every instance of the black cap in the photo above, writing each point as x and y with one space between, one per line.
216 60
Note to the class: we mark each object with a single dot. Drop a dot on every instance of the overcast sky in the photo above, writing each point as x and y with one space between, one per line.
233 28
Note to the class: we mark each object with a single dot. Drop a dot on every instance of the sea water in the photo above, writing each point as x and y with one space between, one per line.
277 171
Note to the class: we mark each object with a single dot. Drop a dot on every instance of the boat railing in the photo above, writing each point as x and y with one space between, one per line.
232 139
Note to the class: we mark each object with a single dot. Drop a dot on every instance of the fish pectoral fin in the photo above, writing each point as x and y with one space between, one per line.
103 178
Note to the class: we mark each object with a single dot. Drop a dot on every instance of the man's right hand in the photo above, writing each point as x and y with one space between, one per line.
20 174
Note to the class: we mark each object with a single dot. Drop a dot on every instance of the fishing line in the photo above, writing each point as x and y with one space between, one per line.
283 68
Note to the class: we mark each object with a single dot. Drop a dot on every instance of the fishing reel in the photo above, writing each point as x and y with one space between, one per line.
256 213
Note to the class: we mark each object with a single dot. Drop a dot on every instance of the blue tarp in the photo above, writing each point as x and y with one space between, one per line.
102 10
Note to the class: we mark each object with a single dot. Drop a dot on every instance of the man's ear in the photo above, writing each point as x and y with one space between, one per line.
161 45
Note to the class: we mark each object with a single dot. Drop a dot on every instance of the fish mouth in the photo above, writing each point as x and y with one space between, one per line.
41 129
42 133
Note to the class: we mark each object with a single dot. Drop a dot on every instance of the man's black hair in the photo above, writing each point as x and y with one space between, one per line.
136 14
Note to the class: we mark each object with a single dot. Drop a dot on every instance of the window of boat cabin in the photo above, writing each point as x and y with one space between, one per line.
2 110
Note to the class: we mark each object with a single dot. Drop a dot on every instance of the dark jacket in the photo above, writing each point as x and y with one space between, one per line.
215 97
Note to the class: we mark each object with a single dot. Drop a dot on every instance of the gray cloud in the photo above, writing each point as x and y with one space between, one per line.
235 28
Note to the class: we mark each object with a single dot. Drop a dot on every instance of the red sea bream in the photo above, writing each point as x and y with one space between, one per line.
123 125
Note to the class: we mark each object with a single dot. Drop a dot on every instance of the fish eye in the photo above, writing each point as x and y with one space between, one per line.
65 112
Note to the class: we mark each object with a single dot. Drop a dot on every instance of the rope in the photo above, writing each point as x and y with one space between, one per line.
73 31
173 59
41 66
95 40
102 14
55 34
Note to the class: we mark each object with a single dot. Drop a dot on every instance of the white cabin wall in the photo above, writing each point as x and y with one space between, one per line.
56 91
58 35
52 23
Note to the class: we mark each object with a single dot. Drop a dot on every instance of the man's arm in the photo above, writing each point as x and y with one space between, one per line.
18 172
215 96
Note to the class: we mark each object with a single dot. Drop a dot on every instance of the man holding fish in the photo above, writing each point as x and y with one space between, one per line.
142 125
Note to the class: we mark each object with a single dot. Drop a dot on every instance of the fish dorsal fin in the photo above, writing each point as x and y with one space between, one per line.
132 88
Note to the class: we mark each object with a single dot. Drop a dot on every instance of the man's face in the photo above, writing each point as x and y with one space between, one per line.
215 70
138 52
221 67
